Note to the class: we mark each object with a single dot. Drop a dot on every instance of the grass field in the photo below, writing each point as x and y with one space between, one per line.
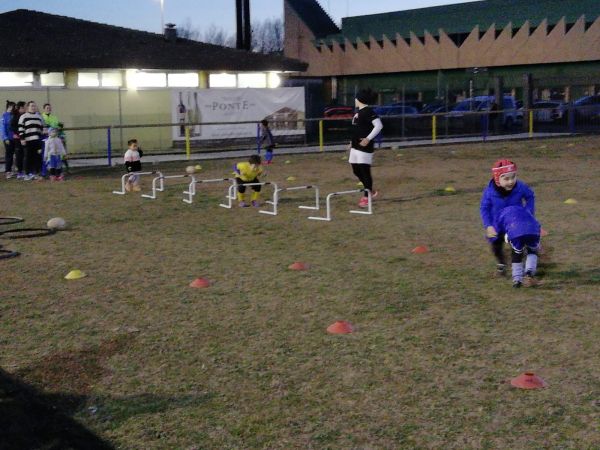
143 361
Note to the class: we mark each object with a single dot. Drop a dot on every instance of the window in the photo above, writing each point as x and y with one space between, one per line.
111 79
52 79
222 80
182 79
16 79
150 79
88 79
252 80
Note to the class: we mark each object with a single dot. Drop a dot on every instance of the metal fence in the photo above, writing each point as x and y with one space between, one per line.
323 132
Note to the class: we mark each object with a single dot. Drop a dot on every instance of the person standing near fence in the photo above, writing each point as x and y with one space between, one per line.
267 141
7 138
366 125
31 128
19 151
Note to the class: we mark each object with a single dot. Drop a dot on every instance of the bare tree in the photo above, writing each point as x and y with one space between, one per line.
267 36
218 36
186 31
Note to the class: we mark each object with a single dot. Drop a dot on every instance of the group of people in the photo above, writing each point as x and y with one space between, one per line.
507 206
34 142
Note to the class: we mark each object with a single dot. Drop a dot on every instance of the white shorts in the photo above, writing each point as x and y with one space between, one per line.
359 157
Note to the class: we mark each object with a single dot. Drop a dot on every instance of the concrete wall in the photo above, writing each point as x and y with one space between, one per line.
100 107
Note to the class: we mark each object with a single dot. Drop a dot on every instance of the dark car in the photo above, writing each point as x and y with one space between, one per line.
338 112
587 107
548 111
437 108
395 109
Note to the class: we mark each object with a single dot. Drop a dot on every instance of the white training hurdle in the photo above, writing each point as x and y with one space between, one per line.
231 193
275 201
191 192
127 175
354 211
161 179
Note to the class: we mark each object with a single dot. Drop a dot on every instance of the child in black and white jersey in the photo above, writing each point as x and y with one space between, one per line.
366 125
133 164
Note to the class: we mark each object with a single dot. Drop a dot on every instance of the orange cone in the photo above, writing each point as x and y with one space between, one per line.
419 250
200 283
528 380
543 233
340 327
298 266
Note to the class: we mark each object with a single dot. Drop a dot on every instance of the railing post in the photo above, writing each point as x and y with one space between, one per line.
433 129
258 138
531 123
108 147
320 135
187 142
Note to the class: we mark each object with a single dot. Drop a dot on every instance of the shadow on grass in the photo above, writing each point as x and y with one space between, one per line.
32 418
571 277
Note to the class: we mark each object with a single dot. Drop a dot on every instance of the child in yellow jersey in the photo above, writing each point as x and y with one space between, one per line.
248 172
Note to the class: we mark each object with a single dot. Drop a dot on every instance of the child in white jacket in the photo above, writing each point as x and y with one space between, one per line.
55 152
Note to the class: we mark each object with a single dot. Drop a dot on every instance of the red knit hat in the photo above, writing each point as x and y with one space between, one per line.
502 166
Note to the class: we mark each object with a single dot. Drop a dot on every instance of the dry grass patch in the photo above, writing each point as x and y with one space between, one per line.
246 363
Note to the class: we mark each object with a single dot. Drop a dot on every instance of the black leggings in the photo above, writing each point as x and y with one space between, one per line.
241 188
19 155
498 250
9 155
33 159
363 173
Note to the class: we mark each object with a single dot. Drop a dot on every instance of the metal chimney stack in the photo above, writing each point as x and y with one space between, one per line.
244 29
170 32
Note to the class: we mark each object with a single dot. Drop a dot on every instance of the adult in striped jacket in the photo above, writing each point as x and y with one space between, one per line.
31 127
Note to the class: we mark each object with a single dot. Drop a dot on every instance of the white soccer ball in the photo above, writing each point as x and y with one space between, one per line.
190 170
57 223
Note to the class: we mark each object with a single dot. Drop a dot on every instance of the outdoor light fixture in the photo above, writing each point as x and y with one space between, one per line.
274 80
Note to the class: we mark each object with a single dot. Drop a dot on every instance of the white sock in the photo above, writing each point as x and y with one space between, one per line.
517 271
531 263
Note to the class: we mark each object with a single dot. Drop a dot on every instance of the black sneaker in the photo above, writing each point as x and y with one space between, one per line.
517 284
500 271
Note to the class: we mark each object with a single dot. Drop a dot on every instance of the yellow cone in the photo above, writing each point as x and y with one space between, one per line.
198 167
450 189
287 161
291 178
75 275
359 184
570 201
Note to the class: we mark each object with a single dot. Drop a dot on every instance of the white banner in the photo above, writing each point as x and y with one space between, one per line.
282 107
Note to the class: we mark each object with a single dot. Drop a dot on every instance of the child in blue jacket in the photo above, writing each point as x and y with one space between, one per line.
505 191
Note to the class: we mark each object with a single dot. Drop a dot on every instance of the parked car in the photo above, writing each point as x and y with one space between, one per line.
548 111
395 109
437 108
338 112
460 116
587 107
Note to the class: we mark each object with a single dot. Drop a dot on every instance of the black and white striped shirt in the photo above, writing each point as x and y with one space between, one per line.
31 126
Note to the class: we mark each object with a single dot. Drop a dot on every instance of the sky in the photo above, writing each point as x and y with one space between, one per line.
200 14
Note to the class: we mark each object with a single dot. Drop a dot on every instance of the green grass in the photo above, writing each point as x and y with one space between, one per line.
247 363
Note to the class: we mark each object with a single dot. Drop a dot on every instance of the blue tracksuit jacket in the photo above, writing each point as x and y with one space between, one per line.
516 222
494 201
